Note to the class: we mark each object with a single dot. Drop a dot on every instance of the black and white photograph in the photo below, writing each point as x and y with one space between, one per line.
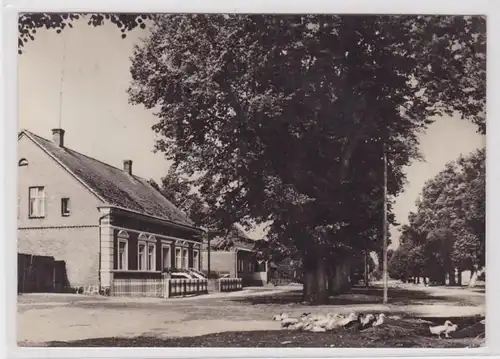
251 180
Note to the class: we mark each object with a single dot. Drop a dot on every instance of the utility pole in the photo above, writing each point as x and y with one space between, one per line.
385 275
366 270
208 253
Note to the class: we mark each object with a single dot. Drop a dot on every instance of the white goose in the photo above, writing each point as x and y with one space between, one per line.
367 321
350 318
379 321
440 329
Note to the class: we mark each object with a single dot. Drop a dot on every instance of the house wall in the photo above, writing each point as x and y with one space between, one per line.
247 268
220 261
73 239
126 225
165 229
77 247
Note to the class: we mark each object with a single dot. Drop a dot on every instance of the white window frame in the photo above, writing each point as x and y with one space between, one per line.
122 238
39 199
178 258
151 265
185 258
169 257
122 265
68 207
142 265
196 259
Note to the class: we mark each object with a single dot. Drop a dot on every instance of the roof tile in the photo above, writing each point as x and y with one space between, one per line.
115 186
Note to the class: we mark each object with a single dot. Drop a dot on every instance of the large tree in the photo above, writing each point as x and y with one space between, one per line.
285 118
449 224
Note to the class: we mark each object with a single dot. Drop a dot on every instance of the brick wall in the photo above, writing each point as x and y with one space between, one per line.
73 239
77 247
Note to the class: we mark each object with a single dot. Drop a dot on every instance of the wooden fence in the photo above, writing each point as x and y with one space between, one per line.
181 287
40 274
230 284
138 287
158 287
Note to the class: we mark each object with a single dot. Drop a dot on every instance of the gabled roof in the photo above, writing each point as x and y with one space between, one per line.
112 185
235 239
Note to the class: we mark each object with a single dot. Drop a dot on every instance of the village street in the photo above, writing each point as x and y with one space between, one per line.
44 318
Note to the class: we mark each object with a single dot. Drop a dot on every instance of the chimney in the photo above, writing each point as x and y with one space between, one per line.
58 136
127 166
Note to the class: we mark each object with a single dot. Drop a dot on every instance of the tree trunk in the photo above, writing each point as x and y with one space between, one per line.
346 283
331 278
321 281
459 277
308 291
452 278
473 278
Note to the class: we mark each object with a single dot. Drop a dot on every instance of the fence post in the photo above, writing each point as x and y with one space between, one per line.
112 284
166 290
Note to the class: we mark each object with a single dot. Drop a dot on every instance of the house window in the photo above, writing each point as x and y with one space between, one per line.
196 259
122 262
65 207
240 265
37 202
250 267
141 255
165 256
23 162
178 258
122 254
185 263
151 257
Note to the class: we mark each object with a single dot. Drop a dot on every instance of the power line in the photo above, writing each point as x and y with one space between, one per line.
61 84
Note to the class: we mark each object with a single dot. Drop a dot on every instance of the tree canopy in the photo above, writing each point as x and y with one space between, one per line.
285 118
30 23
447 231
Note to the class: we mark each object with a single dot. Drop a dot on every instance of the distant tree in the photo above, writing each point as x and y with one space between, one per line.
407 261
450 220
399 265
438 254
179 191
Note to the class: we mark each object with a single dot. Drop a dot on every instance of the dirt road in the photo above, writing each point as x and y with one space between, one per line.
72 317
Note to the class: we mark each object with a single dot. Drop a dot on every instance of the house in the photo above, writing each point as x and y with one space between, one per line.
234 254
101 222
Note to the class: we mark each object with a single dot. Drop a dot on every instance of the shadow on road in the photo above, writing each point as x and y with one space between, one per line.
359 295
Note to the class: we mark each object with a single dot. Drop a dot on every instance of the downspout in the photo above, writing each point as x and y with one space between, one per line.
99 268
236 261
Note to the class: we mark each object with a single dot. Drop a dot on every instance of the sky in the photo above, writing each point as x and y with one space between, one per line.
78 79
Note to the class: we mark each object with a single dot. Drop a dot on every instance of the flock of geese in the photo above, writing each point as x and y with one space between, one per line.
323 323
